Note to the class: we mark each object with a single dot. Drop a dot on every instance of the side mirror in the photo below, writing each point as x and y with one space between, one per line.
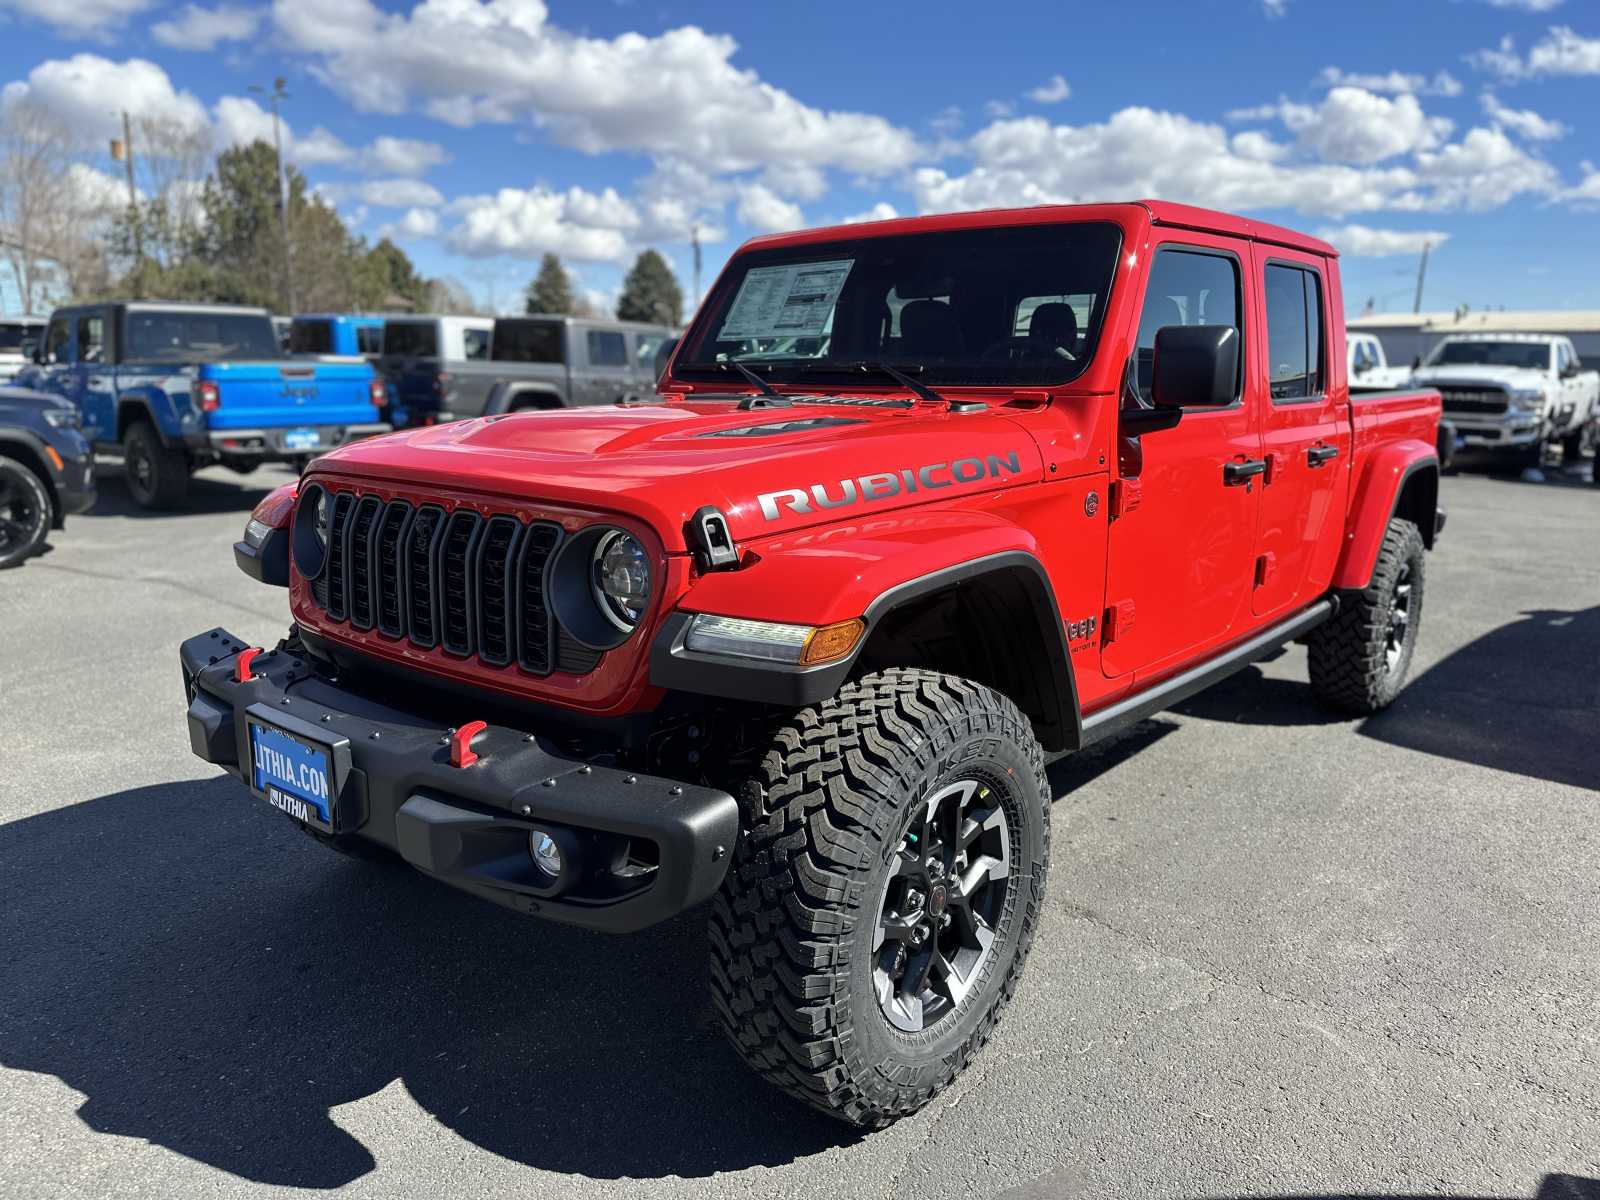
1196 366
664 355
1416 363
1570 371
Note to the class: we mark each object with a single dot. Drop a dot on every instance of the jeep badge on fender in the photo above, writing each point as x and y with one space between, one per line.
804 672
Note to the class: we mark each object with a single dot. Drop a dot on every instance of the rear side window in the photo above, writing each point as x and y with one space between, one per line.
1187 287
311 337
527 341
369 339
412 339
607 348
91 339
1294 332
474 344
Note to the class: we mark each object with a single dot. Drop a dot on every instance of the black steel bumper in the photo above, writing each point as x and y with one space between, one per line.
638 848
75 487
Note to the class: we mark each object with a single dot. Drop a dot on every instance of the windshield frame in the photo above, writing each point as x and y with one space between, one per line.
846 369
1436 357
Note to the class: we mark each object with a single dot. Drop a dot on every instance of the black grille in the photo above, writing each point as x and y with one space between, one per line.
1473 400
469 584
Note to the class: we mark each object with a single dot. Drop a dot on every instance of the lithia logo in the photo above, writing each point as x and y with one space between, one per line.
886 484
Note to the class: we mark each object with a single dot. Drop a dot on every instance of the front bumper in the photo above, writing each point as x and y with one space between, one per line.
1511 431
274 445
74 484
643 847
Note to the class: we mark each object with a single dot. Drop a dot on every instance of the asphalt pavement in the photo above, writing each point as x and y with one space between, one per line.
1283 954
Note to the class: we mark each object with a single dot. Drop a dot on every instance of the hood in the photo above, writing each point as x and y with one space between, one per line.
770 470
1482 375
16 399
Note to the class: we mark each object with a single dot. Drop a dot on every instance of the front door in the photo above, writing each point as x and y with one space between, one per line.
1183 530
1305 427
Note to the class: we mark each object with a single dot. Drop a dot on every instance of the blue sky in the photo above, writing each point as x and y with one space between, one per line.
480 135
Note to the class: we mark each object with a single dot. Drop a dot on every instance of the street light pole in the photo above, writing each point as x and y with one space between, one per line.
277 95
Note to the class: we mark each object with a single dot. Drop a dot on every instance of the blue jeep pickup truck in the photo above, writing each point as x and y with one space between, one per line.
176 387
350 334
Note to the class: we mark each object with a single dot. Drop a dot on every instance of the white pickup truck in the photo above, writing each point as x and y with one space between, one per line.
1369 366
17 335
1514 393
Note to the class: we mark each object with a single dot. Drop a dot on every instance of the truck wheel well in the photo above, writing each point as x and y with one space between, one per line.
131 412
994 630
529 401
1418 501
29 457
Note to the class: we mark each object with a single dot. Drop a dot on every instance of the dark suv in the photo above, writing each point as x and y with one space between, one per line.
46 471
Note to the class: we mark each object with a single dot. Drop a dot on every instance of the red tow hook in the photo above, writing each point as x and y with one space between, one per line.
241 669
461 753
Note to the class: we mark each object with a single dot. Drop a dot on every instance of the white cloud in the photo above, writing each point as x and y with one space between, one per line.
98 191
386 193
1523 121
795 179
1587 191
1393 82
1536 6
86 91
1484 170
1362 241
526 222
416 223
1561 52
84 18
1275 8
1357 126
197 28
1052 91
881 211
674 95
767 212
403 156
240 121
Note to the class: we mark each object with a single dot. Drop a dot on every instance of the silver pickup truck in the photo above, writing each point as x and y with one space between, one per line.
518 363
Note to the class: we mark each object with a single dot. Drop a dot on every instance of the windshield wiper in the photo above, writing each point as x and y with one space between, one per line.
923 391
768 396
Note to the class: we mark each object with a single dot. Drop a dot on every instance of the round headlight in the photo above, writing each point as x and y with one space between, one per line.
311 521
621 578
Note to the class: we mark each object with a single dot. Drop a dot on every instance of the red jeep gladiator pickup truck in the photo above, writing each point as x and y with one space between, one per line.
922 505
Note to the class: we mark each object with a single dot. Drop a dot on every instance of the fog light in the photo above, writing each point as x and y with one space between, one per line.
546 854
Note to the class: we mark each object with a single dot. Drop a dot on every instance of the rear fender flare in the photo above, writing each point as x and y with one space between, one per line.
152 405
506 396
1400 479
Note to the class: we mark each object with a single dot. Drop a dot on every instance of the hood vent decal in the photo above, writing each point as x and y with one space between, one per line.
778 428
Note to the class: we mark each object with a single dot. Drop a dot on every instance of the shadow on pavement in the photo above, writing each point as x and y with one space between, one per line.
1551 1187
1521 698
215 983
231 492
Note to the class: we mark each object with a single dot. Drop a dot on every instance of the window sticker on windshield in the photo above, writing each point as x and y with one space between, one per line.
792 301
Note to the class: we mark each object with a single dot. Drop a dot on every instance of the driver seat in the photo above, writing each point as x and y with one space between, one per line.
1053 331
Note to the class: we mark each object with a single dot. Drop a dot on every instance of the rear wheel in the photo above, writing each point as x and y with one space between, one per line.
158 476
1360 657
882 901
25 513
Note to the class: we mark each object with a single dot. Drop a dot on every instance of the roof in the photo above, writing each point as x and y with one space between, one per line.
366 318
1528 321
1160 212
24 319
184 306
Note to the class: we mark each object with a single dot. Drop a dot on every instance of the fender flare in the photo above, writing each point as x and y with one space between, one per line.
675 667
28 448
1375 501
146 400
503 395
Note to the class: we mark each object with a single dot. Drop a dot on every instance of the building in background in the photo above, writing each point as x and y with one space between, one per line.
1409 336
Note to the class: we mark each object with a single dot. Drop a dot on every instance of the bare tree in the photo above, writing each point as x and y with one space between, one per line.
36 189
172 157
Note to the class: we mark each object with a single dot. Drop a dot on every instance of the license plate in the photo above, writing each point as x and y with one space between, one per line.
292 774
301 439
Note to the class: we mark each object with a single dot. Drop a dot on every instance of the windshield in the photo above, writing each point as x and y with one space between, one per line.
178 336
14 333
1492 354
1005 306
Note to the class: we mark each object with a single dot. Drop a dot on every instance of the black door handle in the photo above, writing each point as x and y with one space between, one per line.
1243 472
1318 455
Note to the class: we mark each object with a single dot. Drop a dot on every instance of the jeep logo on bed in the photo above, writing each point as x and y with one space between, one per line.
302 391
885 484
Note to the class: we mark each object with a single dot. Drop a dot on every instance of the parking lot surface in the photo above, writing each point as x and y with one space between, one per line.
1283 953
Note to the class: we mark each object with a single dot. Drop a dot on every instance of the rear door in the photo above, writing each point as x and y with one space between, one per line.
606 375
1178 574
1305 434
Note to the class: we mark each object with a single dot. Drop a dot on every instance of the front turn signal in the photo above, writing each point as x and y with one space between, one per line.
832 642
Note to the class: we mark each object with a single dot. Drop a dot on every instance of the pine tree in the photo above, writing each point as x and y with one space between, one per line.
551 290
651 292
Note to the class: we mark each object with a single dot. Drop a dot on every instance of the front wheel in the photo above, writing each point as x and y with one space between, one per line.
25 513
884 894
1359 658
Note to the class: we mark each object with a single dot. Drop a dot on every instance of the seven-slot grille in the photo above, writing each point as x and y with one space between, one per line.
469 584
1489 401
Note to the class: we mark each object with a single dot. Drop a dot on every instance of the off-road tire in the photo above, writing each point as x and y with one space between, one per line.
157 475
825 819
1351 667
26 513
